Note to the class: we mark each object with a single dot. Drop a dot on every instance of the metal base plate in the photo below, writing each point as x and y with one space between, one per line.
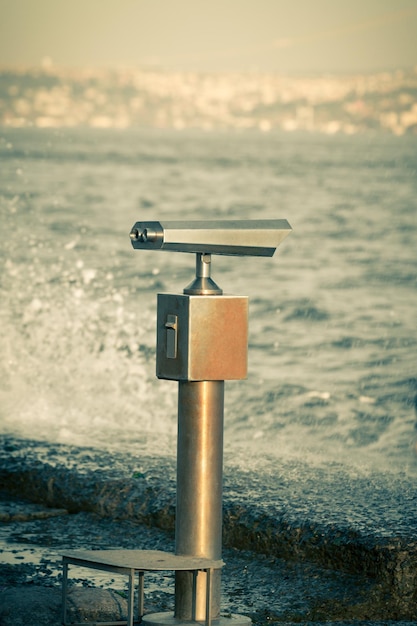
168 619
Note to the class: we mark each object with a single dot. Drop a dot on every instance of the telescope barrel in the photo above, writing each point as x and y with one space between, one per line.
227 237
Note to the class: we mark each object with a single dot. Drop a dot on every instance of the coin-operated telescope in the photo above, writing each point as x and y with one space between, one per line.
231 237
202 338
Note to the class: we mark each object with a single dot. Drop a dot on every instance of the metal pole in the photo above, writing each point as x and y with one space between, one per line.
199 491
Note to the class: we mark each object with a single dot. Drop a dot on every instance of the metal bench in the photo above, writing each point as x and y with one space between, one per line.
131 562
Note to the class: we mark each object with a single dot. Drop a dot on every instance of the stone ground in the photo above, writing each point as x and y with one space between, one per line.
268 589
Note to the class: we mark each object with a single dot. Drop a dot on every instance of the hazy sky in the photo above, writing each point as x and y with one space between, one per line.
282 35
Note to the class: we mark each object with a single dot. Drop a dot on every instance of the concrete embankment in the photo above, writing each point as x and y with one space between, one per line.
355 522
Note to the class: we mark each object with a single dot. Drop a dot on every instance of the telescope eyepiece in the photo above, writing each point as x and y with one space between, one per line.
145 235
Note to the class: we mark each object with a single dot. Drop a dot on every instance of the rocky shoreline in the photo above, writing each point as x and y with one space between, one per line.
290 558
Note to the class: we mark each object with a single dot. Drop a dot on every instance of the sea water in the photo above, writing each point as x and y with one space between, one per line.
332 331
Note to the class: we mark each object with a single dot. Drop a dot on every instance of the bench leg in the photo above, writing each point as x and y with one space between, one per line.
64 592
194 596
131 597
208 597
141 596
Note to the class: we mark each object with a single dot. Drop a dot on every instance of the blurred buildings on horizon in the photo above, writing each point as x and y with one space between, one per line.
53 97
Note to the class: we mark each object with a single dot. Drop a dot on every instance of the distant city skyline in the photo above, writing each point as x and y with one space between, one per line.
59 97
303 36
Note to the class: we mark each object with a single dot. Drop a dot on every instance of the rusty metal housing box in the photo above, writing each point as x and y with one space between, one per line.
202 337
